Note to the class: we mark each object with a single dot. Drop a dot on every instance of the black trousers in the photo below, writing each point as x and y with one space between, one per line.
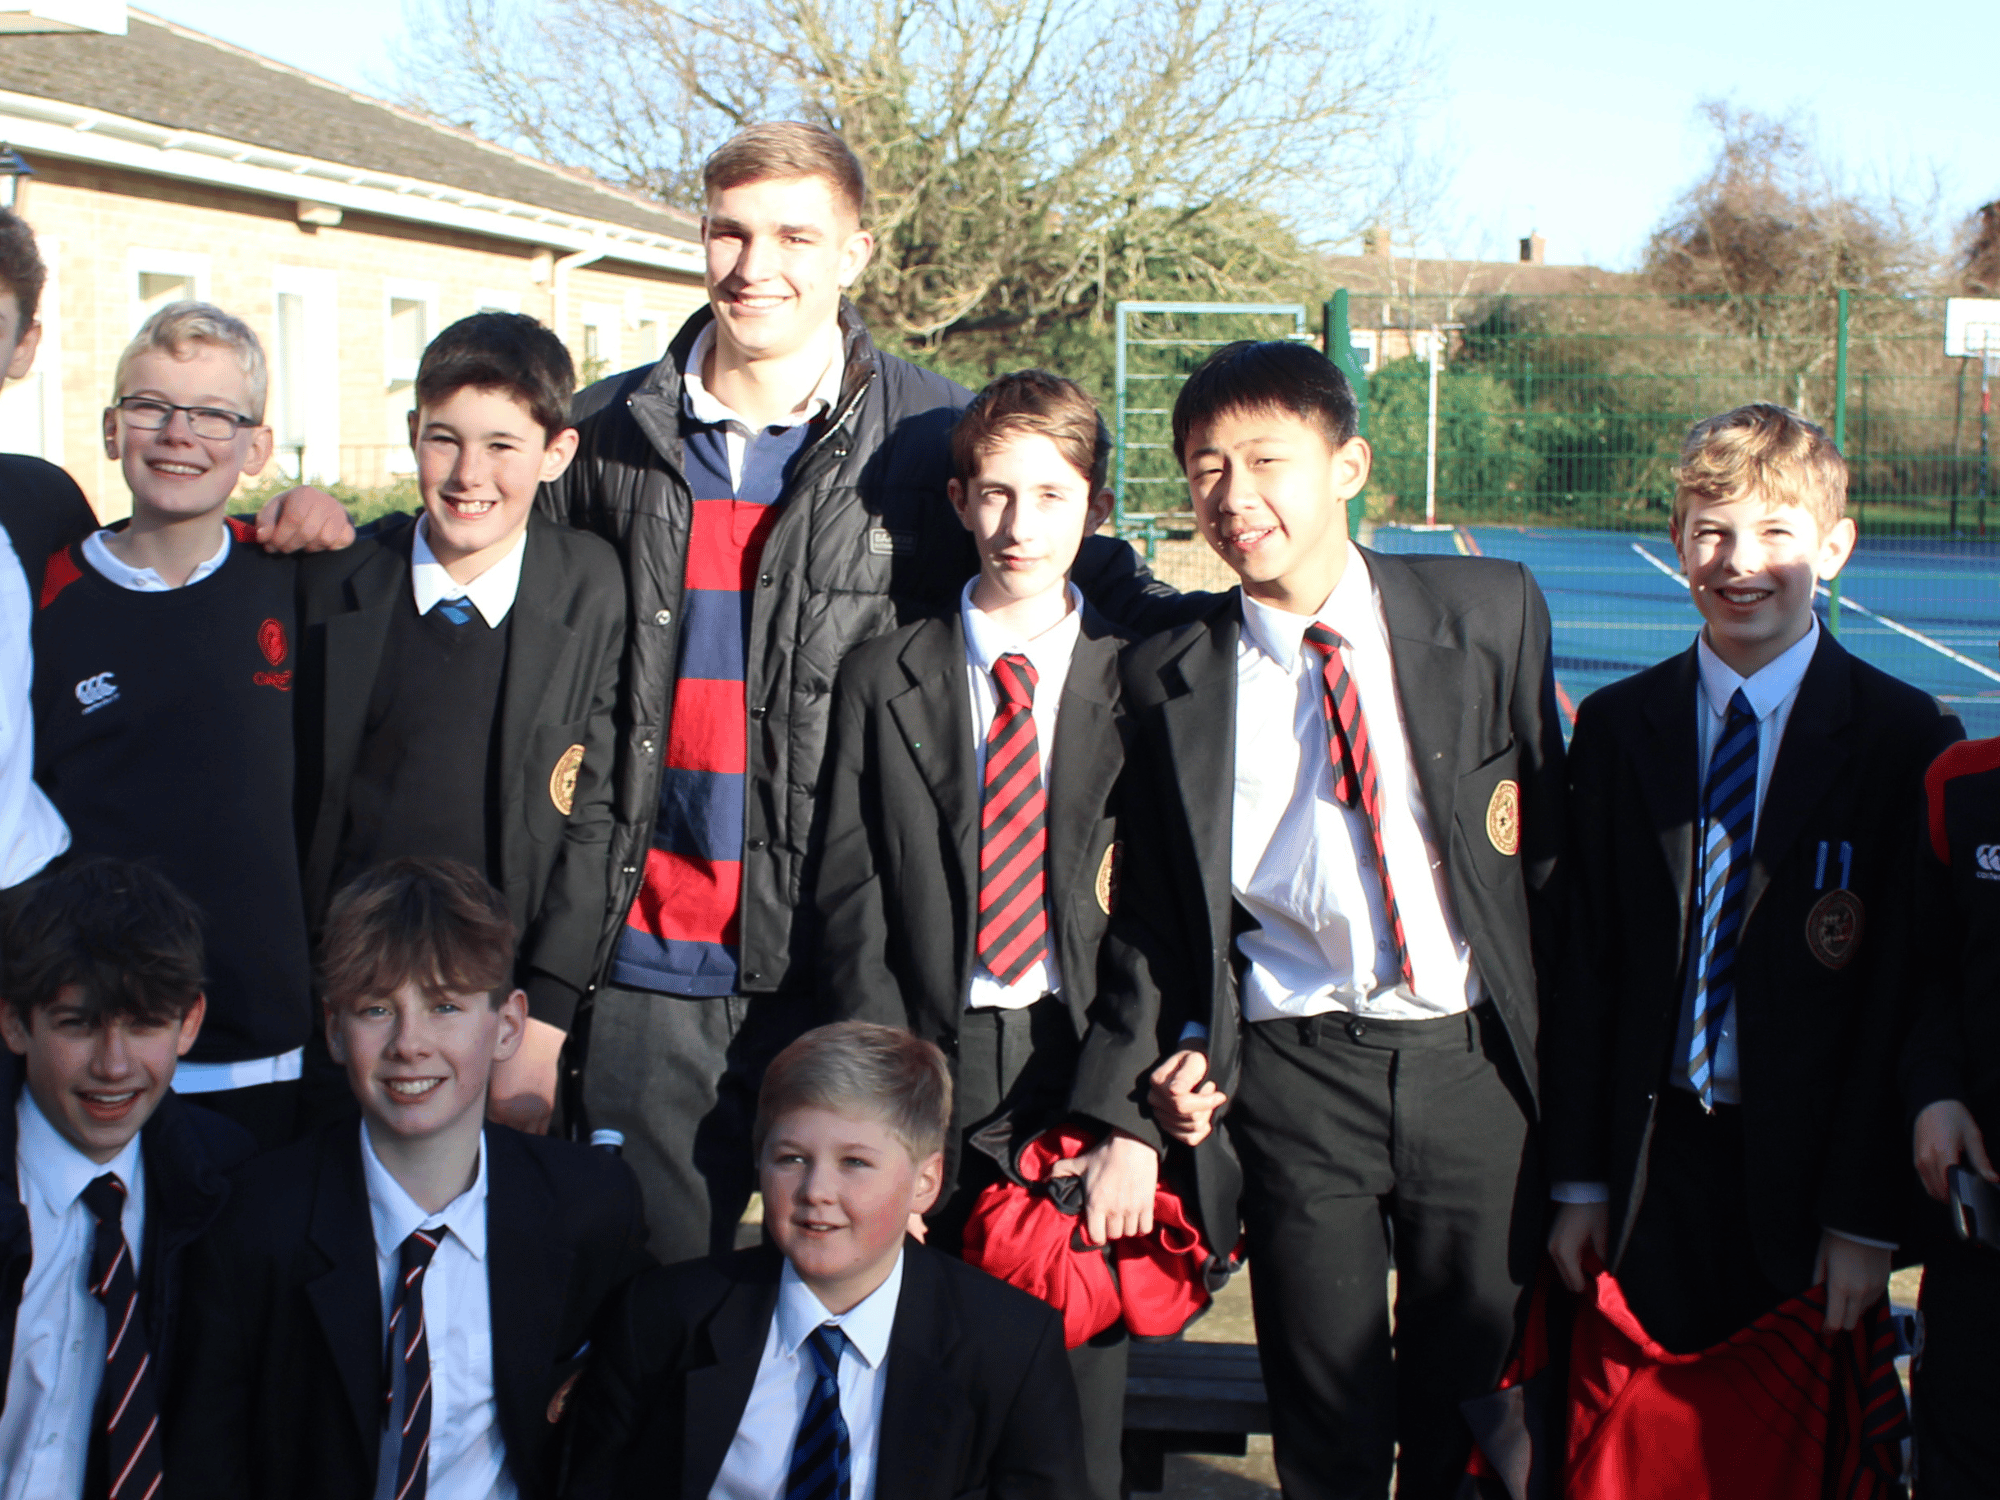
1367 1144
1016 1066
1955 1395
679 1079
1688 1270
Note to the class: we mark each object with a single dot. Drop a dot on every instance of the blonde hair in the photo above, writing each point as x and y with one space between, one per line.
1762 449
859 1068
179 324
786 148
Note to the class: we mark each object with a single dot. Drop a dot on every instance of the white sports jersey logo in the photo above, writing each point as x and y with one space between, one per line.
94 692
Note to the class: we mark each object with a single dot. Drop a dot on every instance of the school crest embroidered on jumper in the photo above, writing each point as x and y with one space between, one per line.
271 641
1833 928
562 780
1503 818
1107 878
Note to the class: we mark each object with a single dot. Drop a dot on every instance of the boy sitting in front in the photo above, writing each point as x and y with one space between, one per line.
163 702
394 1307
105 1176
457 676
840 1361
970 848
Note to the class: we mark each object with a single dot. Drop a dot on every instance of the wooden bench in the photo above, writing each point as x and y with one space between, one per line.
1183 1397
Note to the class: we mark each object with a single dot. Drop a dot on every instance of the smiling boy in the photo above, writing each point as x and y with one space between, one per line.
163 697
105 1175
413 1292
840 1359
458 676
1722 1121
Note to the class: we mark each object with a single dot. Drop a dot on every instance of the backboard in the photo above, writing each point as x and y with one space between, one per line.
1972 327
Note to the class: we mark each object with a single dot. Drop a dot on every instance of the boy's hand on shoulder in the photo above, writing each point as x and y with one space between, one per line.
1183 1099
1946 1134
523 1091
1579 1227
1855 1275
304 519
1120 1174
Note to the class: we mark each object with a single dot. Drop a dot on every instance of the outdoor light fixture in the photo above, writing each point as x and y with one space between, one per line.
12 171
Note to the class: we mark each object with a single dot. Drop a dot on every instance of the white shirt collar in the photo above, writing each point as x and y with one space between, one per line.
54 1167
396 1215
703 406
492 592
1768 687
147 580
1349 610
987 640
868 1324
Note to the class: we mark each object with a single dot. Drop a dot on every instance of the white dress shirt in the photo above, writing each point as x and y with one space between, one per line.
1302 864
492 592
31 830
468 1457
58 1357
986 641
760 1458
738 430
148 580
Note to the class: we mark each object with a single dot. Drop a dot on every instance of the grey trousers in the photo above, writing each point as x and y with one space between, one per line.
678 1078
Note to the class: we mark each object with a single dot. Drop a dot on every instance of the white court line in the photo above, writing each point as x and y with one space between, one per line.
1848 601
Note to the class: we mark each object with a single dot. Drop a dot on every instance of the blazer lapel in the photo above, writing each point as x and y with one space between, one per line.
1087 756
920 1391
541 660
345 1296
1431 687
527 1280
717 1393
354 644
1819 720
934 715
1200 721
1666 760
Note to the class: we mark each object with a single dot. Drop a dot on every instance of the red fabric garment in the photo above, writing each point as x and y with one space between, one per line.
1780 1410
1021 1235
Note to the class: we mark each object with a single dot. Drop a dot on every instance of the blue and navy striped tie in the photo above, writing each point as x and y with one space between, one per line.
1729 813
820 1457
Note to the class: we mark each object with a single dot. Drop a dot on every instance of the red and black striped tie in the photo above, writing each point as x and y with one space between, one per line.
128 1401
1354 780
408 1343
1013 830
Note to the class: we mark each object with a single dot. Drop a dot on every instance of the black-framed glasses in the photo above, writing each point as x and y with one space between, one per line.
212 422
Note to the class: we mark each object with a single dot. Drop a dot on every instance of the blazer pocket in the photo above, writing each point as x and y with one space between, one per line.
1487 808
551 768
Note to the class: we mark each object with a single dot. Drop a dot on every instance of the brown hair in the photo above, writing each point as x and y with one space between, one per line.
1762 449
786 148
506 352
120 932
1034 401
21 269
436 923
859 1068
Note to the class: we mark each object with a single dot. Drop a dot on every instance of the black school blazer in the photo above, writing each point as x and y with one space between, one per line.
42 511
979 1400
1470 642
278 1386
564 652
1815 999
899 876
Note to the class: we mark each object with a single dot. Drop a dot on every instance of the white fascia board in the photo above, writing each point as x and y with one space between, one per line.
55 128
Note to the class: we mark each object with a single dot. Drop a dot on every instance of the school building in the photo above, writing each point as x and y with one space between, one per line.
163 164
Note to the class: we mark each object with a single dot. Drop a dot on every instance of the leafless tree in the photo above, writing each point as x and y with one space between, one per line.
1031 160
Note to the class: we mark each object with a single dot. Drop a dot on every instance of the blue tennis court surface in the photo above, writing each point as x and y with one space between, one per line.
1926 611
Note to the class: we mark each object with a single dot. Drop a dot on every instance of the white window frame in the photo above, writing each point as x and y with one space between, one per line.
494 299
320 290
394 372
141 260
609 321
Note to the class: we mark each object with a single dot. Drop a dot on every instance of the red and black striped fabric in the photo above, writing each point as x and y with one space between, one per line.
410 1344
1013 830
128 1400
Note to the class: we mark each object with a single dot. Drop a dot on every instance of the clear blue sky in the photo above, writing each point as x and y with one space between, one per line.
1574 118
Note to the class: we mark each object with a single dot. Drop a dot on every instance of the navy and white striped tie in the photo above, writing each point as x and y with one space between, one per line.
821 1458
1729 814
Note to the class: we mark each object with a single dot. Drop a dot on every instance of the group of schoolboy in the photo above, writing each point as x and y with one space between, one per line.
758 764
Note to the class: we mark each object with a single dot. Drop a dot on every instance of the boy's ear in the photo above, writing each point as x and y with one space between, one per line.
1836 547
1101 507
191 1025
929 1179
24 351
557 455
854 257
410 425
14 1029
111 433
513 1013
1351 462
261 444
336 1044
955 491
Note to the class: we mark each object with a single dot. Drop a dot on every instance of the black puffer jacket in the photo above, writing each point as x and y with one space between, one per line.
866 542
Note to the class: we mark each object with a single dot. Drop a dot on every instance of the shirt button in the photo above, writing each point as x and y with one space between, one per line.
663 617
